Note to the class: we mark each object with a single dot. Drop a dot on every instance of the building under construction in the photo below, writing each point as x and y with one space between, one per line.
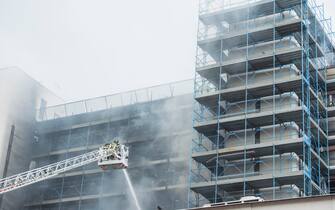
153 122
261 113
260 121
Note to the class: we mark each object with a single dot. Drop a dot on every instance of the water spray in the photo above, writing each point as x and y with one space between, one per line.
131 189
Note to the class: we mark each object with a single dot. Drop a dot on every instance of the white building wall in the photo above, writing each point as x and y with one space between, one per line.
281 102
239 138
20 97
262 76
288 162
281 132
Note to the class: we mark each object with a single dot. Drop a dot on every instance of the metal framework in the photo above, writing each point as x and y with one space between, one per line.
39 174
157 157
260 112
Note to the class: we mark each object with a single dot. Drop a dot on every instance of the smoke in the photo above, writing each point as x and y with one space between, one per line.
20 96
159 135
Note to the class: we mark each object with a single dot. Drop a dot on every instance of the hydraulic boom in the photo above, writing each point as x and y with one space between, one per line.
114 155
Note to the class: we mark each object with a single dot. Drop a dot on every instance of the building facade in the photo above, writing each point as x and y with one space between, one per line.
261 120
260 115
20 97
156 123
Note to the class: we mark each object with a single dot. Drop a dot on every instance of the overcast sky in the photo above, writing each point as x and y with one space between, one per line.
87 48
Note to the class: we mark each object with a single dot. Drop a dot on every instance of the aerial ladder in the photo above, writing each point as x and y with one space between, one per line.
114 155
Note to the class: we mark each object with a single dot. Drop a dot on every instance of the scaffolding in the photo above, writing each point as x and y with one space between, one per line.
260 111
154 122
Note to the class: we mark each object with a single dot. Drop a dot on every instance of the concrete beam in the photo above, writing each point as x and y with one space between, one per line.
308 203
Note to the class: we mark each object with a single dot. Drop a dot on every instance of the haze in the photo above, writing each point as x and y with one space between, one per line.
85 48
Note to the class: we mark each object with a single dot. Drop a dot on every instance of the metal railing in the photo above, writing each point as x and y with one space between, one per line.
244 27
206 6
116 100
205 59
288 101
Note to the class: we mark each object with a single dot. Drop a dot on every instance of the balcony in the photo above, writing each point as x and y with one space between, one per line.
220 10
258 29
258 83
255 57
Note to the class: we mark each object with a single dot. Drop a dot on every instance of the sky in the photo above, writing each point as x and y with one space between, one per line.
87 48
